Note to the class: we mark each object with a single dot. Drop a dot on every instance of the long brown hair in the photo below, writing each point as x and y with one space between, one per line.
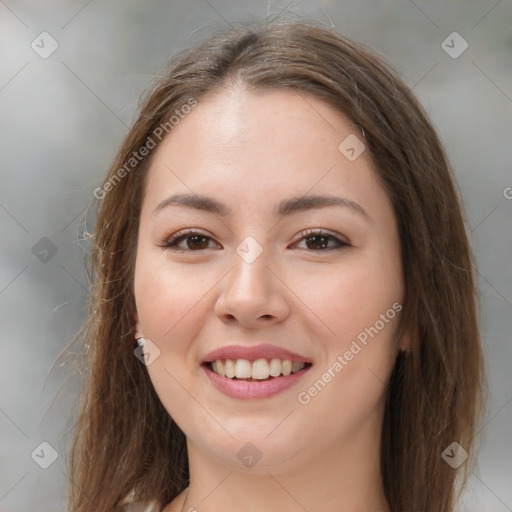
125 440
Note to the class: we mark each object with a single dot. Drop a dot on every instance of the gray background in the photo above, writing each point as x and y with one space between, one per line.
64 116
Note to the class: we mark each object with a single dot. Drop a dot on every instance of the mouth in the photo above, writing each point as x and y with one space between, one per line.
258 370
254 372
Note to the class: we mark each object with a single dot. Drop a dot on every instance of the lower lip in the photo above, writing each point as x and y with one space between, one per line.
253 389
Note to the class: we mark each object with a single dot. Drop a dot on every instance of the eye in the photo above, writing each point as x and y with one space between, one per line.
194 241
319 240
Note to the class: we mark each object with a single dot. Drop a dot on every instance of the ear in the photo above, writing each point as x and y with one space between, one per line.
405 342
137 327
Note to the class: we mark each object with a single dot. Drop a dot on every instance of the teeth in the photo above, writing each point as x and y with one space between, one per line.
243 369
220 368
260 369
275 367
229 368
286 367
295 367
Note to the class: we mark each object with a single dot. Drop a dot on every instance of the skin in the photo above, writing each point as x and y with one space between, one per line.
250 151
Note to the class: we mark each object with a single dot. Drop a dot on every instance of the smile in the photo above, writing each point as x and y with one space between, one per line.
254 372
258 370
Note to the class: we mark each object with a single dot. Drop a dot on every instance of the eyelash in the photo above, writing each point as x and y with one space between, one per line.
172 242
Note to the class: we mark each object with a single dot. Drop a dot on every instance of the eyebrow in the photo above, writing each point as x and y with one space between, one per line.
284 208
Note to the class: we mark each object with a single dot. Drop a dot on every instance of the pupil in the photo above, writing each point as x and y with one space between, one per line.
195 242
321 241
317 238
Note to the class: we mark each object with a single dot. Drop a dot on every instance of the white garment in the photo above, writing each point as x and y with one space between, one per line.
139 507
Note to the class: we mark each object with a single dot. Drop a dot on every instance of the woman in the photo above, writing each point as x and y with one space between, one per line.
283 315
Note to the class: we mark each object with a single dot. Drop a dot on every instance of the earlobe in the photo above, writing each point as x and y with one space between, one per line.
137 326
404 344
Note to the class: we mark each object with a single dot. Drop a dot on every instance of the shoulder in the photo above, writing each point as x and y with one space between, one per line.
139 507
132 506
176 505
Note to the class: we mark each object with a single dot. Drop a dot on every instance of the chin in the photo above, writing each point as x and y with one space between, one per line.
256 447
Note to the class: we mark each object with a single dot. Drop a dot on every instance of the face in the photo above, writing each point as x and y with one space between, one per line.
261 274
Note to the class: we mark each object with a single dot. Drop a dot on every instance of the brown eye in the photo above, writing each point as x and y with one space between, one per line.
196 242
190 241
318 240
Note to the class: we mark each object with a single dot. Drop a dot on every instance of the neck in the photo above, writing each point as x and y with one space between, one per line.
346 478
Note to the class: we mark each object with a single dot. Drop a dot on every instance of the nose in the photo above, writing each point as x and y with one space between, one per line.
252 294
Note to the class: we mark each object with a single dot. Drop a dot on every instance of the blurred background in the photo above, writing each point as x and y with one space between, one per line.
71 75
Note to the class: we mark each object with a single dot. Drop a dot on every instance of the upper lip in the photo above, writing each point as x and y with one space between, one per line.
253 352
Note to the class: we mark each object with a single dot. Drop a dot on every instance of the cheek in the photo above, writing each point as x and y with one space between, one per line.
350 297
171 314
359 307
167 297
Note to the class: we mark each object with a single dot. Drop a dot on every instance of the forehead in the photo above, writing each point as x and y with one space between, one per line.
253 148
